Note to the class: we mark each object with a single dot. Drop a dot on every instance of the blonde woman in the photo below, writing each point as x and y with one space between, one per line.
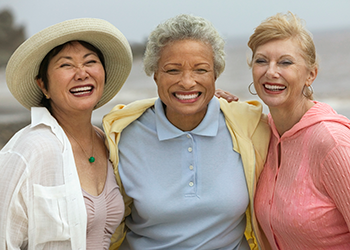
302 199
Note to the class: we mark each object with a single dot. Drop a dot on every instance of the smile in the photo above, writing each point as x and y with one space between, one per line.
81 90
187 96
274 87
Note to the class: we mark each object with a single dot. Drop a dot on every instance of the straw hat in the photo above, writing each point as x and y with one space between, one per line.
23 66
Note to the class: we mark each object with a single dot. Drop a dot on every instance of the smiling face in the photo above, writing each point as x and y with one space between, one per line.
280 74
186 80
76 80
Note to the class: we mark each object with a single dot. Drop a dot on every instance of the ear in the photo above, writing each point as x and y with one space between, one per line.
41 85
312 76
155 77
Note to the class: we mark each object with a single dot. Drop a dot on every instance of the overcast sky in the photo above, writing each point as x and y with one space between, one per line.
137 18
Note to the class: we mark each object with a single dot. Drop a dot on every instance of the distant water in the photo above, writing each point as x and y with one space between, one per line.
331 86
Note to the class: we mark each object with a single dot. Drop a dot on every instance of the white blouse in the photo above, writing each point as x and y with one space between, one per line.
41 202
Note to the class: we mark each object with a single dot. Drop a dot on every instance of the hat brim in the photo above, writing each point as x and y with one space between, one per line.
23 66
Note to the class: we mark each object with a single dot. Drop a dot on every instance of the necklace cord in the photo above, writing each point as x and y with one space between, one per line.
91 159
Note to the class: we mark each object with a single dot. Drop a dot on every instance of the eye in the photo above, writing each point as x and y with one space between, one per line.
91 62
201 70
286 62
260 60
63 65
172 71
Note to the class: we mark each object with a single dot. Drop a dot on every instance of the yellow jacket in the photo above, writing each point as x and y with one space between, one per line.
250 135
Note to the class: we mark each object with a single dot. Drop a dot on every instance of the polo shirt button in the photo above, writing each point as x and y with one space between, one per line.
190 149
191 167
188 136
190 184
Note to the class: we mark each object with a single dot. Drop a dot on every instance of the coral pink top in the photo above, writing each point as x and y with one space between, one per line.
305 202
104 213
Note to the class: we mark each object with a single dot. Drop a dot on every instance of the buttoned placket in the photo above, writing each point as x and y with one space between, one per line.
190 166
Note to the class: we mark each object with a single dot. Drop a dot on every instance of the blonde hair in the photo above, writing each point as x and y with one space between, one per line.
183 27
285 26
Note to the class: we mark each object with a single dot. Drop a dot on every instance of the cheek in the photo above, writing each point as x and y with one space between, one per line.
211 88
60 76
99 73
163 83
256 72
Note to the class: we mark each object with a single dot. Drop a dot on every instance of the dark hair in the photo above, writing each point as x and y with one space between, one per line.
42 74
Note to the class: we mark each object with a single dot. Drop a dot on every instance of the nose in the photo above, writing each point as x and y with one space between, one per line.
81 74
272 71
187 80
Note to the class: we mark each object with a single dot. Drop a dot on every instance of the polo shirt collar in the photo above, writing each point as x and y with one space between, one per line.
208 127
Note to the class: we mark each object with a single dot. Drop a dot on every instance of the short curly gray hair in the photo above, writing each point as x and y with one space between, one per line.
183 27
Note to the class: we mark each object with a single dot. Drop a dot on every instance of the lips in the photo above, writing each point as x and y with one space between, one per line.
81 90
187 96
274 87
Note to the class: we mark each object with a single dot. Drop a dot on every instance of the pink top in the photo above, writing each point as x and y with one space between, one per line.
305 202
104 213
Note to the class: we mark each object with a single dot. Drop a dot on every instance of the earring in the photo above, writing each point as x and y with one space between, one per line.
309 92
250 90
46 96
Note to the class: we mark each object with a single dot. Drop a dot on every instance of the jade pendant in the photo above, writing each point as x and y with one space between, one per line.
91 159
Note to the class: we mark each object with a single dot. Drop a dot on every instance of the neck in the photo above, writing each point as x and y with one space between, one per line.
286 118
78 125
185 122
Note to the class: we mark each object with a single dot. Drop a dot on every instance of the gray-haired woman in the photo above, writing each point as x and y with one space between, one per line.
185 162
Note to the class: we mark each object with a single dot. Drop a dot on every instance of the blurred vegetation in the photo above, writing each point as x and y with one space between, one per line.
10 36
138 49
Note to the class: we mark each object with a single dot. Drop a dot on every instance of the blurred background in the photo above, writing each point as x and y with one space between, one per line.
328 20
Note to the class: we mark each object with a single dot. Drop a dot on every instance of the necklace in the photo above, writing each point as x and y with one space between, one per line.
91 158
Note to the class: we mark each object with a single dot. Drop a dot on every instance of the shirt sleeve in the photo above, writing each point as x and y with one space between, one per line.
336 178
13 195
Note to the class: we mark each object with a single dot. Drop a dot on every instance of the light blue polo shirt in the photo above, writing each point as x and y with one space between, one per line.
189 188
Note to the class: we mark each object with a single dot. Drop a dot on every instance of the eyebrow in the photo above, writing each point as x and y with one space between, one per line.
70 58
179 64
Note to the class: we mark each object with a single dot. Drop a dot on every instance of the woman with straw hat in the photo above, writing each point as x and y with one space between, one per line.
57 187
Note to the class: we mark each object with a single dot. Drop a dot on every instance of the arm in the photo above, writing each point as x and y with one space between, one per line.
336 179
225 95
13 209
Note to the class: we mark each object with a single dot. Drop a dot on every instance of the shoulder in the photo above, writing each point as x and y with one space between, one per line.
134 107
34 142
250 107
246 116
32 152
145 123
121 115
329 134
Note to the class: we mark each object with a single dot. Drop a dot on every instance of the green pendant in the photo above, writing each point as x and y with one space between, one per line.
91 159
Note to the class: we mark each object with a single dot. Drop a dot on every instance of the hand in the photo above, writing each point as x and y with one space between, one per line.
226 95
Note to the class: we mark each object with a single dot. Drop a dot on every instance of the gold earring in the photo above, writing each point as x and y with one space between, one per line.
46 96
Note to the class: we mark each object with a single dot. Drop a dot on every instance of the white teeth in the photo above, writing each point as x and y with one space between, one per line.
274 87
81 89
81 93
186 97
